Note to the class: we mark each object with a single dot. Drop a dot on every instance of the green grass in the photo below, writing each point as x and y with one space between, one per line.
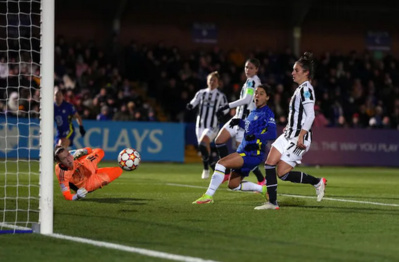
146 209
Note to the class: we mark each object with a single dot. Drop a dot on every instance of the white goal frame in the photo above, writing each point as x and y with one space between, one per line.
44 225
47 118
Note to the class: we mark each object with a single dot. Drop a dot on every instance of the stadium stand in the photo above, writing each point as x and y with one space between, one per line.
154 82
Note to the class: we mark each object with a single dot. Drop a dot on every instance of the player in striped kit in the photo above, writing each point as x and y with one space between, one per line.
208 101
259 127
244 105
287 151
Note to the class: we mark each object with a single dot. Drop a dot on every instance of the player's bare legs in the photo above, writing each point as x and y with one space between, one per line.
273 157
231 161
205 139
64 142
221 147
205 149
222 138
272 160
284 172
234 160
235 180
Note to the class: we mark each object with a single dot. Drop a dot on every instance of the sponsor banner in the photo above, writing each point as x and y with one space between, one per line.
204 33
353 147
155 141
165 142
342 147
378 40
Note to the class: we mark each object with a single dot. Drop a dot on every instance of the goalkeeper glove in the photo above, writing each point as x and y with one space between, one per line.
189 106
234 122
82 131
80 152
250 137
81 193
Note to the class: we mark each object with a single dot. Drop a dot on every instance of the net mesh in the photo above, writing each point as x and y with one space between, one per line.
19 114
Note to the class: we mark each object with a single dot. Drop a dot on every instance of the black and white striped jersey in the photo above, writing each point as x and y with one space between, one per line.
208 101
303 95
246 102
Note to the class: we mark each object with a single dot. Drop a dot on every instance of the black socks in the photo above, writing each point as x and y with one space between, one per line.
205 156
271 183
300 177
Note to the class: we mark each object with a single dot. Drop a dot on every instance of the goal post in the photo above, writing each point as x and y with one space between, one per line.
26 116
46 117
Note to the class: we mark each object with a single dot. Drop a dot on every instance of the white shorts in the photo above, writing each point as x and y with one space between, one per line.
236 132
209 132
289 151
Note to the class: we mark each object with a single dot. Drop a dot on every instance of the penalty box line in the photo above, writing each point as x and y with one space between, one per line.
141 251
311 197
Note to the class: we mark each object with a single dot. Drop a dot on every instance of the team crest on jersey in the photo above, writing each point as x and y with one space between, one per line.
250 83
256 117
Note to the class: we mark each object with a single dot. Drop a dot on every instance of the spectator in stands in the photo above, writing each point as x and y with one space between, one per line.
104 114
350 79
320 120
102 97
13 105
122 114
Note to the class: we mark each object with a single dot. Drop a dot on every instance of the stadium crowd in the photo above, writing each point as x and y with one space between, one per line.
141 82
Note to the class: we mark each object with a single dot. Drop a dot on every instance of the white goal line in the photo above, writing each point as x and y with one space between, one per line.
141 251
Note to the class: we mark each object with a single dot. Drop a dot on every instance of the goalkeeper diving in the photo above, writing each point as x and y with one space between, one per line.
80 173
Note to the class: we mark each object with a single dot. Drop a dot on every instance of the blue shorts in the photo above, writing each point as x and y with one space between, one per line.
250 162
66 134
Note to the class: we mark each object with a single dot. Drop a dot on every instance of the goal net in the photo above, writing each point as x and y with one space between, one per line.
25 113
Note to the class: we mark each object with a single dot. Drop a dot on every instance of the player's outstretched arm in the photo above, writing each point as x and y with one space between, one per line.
81 193
79 153
246 100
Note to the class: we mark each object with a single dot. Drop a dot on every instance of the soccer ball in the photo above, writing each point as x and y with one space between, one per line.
129 159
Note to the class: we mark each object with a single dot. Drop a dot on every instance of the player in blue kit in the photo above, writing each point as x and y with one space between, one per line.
64 112
259 127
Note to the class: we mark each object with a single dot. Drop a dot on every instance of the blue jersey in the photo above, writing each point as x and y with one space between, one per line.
260 123
63 116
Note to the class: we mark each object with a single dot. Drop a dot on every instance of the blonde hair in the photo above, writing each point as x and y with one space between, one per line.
215 74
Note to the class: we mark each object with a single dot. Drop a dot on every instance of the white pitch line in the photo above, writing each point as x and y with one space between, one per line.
172 184
345 200
141 251
311 197
14 226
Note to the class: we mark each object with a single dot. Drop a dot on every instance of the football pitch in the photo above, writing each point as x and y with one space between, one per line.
148 215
